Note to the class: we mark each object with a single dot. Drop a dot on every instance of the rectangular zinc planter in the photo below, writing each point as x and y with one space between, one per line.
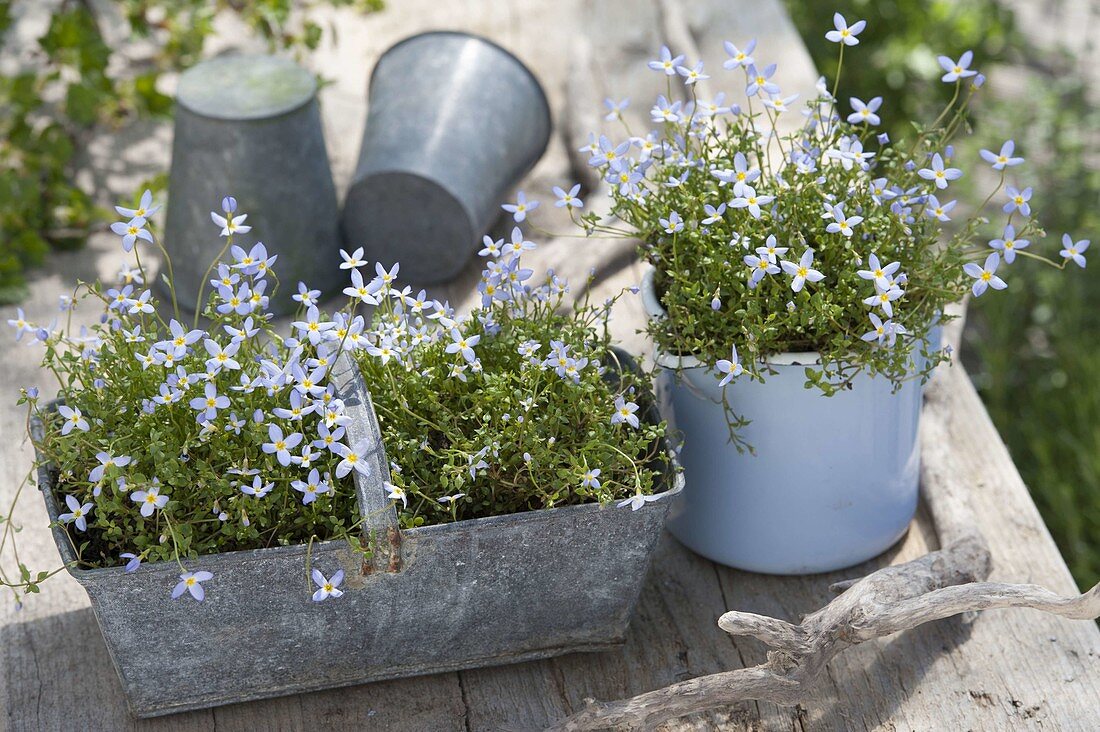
475 593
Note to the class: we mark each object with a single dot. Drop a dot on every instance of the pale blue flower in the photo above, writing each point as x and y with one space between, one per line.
771 249
246 330
844 33
445 500
692 74
802 272
20 324
938 173
463 344
934 209
77 514
230 224
607 152
1074 250
191 582
1008 244
142 304
129 275
383 350
396 493
134 561
517 245
878 332
354 458
842 224
625 413
312 487
131 231
957 69
150 500
119 298
74 419
884 298
759 267
717 106
748 199
239 301
313 328
666 62
106 460
780 104
221 357
280 445
636 501
614 109
665 111
180 340
353 260
1018 201
568 199
491 248
234 424
876 272
258 489
305 460
714 215
253 262
985 276
360 289
739 57
521 207
849 152
759 81
865 113
1004 158
590 478
730 368
298 407
673 223
145 209
305 295
327 588
209 404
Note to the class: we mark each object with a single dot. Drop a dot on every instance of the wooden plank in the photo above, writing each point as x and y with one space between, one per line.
1007 669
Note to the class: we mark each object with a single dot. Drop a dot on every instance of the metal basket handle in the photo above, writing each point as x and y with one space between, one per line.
380 526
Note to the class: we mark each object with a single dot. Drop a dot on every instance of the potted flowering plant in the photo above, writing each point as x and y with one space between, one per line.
227 489
822 259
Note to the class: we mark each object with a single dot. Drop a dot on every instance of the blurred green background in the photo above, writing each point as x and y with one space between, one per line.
1033 350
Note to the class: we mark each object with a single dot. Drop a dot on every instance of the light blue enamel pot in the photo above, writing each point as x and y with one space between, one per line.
833 481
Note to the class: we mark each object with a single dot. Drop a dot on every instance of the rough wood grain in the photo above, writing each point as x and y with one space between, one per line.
1004 670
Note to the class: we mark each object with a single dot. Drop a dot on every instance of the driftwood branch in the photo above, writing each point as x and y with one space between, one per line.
940 584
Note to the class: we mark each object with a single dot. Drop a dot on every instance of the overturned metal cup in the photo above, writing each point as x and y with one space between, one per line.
250 127
454 122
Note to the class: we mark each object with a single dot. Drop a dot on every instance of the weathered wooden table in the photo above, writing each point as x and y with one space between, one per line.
1009 669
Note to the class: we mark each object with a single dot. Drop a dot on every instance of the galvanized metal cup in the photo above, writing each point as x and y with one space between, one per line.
250 127
454 122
